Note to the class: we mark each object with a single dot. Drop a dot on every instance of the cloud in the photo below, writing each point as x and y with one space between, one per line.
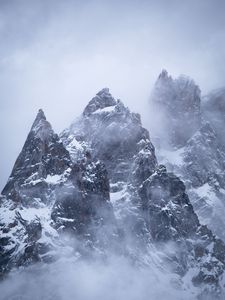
57 55
115 279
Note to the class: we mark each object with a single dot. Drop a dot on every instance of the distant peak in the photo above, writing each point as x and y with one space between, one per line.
41 113
102 100
163 73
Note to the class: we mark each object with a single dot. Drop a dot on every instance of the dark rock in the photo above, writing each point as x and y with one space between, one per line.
169 213
42 154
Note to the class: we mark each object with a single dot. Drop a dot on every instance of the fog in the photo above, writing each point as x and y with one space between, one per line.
58 54
116 278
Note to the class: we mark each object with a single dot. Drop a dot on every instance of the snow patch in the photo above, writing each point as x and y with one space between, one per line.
53 179
105 110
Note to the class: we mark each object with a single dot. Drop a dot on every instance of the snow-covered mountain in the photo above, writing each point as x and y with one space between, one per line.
200 159
177 104
98 191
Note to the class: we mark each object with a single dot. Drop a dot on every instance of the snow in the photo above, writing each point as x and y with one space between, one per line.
120 193
105 110
204 190
34 182
31 213
53 179
65 219
116 196
73 143
6 214
207 192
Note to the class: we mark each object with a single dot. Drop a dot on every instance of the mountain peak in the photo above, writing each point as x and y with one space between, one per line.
41 127
164 79
163 74
102 100
40 116
104 92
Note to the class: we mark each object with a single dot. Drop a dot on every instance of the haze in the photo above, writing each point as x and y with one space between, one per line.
58 54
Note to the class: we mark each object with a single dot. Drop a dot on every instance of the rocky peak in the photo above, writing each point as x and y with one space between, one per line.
102 100
201 160
41 128
164 80
40 116
151 205
43 154
112 133
178 102
164 76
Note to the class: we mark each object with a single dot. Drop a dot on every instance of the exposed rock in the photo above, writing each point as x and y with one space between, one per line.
177 103
104 187
43 154
149 203
200 160
47 194
213 109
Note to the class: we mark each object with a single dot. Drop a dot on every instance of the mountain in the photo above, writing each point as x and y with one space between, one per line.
177 103
43 156
213 109
200 159
47 195
97 191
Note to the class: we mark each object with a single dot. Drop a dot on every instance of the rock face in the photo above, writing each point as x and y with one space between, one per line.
213 108
47 195
178 101
100 184
43 155
170 214
83 204
112 133
200 160
149 203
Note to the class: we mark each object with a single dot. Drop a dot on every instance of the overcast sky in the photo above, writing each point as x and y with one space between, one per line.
57 55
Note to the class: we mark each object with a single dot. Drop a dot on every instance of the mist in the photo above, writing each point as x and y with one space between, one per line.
57 55
116 278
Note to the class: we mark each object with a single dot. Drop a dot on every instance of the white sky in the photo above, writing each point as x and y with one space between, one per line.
57 55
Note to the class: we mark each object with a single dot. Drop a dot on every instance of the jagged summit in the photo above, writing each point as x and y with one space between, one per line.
164 74
102 100
112 133
114 195
39 118
43 154
196 127
178 103
41 127
40 115
163 79
104 92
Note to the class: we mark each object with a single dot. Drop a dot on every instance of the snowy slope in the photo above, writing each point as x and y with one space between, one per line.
200 161
97 194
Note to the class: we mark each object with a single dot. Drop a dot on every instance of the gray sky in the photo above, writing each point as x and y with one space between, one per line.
57 54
